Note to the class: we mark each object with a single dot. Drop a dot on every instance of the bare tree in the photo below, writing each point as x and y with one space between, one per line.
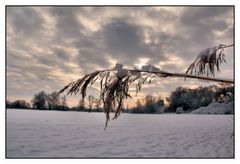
97 104
53 100
90 102
39 100
64 101
81 104
150 104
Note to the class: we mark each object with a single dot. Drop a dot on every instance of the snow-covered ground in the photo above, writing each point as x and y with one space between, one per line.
77 134
216 108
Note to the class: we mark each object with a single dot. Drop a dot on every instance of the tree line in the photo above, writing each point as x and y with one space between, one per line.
41 101
191 99
53 101
187 99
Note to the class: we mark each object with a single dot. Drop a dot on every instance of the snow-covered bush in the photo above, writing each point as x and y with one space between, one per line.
20 104
179 110
216 108
160 109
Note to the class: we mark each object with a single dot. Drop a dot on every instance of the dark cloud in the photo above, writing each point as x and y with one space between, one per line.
25 21
194 15
202 22
196 29
61 53
67 24
89 58
123 37
125 42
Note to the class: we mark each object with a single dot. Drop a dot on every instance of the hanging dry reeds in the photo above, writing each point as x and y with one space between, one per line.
208 61
114 85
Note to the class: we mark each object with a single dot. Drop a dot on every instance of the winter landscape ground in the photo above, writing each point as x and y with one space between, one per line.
82 135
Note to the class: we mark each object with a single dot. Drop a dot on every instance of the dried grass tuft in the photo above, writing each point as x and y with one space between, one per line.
113 89
208 61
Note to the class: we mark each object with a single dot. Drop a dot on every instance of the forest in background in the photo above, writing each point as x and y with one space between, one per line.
184 98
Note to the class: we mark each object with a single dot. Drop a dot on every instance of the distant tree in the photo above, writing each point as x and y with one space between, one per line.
97 104
159 101
204 96
179 98
90 102
81 105
53 100
63 104
150 104
138 104
224 93
138 108
159 105
19 104
64 101
8 104
190 99
127 109
40 100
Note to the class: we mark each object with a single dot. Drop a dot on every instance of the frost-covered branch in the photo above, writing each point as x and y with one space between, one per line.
208 61
115 84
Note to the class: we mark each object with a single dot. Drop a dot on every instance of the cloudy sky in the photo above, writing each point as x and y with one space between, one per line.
48 47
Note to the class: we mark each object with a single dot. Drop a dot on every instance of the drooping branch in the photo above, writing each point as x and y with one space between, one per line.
115 84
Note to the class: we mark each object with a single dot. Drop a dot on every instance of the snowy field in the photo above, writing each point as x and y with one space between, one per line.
77 134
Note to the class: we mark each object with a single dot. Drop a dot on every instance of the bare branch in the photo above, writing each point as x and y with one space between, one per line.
115 85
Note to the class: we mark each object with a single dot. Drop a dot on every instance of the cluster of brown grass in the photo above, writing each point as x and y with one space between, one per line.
113 89
208 61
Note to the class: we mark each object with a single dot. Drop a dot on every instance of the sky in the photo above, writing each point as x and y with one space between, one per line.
49 47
